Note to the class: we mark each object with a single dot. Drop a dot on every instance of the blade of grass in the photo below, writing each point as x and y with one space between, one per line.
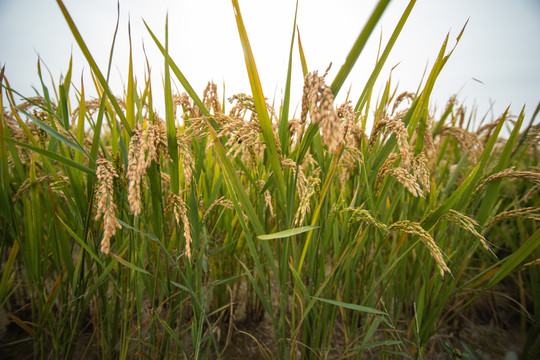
260 104
483 162
315 216
29 135
185 84
53 132
128 264
81 242
512 262
287 233
22 324
358 46
4 168
419 114
520 147
93 65
263 296
380 63
284 120
80 124
431 219
7 274
53 156
300 286
130 103
350 306
103 95
493 188
302 56
169 118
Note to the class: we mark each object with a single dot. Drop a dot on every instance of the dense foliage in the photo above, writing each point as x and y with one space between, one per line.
126 234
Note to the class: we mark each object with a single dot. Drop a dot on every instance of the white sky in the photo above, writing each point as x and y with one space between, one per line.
500 46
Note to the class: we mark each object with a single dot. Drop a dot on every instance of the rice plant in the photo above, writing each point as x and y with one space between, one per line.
234 228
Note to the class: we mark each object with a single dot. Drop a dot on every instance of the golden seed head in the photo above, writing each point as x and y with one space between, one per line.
267 196
397 127
137 164
302 181
183 142
211 99
363 215
180 214
304 207
403 96
532 213
318 100
429 145
242 104
351 131
383 170
467 140
190 110
407 180
414 228
157 141
421 171
468 224
106 207
222 201
530 176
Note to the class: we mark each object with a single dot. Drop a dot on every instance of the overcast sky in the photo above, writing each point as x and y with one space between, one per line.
496 61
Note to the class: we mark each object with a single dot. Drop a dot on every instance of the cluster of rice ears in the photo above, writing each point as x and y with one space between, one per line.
142 236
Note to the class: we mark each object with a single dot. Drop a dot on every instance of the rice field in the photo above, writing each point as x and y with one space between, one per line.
231 227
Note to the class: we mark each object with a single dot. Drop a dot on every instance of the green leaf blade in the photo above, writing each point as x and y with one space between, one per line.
287 233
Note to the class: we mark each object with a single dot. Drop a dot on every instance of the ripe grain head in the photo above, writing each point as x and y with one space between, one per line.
106 206
414 228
